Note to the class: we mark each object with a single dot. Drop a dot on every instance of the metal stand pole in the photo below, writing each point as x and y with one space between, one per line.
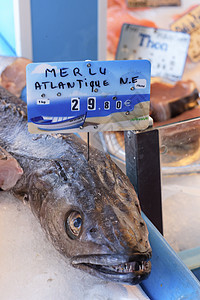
143 170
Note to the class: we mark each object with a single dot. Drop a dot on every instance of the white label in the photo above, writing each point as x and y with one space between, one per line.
140 84
107 105
75 104
91 103
118 104
43 101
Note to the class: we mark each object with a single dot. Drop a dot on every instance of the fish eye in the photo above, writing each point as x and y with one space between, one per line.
73 224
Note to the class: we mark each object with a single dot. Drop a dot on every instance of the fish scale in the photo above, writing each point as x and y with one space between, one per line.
88 209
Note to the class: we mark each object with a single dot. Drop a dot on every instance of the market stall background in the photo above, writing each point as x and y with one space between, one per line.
29 249
180 193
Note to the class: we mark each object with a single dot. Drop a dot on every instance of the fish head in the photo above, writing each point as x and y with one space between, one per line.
92 214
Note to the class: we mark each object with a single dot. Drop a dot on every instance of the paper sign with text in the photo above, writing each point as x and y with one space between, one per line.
88 96
166 50
190 23
152 3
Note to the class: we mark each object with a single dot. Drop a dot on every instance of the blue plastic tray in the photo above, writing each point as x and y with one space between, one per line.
170 278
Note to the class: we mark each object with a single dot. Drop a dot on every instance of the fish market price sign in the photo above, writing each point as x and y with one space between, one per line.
88 96
167 50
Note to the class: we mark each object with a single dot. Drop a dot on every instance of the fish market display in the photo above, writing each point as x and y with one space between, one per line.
88 209
171 104
180 144
168 100
32 269
186 115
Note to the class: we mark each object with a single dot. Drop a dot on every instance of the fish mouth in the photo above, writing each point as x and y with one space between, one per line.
119 268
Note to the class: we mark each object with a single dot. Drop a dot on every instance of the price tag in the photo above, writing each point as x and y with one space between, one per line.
88 96
167 50
152 3
190 23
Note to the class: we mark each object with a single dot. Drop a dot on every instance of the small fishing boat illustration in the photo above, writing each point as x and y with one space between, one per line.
58 123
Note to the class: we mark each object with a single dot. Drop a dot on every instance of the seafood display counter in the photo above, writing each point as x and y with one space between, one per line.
31 265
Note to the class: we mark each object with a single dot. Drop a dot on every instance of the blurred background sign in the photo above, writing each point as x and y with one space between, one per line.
167 50
152 3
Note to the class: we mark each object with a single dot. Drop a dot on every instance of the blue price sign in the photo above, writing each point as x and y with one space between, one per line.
88 96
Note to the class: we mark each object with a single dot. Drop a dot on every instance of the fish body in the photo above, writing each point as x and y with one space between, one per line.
89 209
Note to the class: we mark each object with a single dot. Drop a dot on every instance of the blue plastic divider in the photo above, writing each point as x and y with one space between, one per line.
7 29
170 279
23 95
64 30
5 47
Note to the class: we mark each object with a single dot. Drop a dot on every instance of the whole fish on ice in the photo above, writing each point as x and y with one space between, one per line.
89 209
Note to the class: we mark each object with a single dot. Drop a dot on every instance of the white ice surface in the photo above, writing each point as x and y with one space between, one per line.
181 211
32 269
